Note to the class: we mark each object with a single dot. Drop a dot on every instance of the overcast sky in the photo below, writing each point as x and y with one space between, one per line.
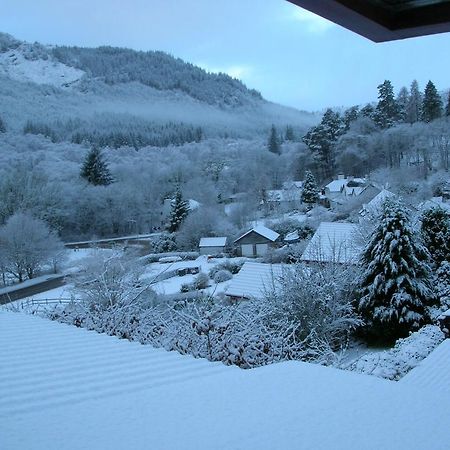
290 55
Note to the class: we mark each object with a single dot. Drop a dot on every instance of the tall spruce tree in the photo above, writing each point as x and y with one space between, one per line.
321 141
273 143
386 113
350 115
432 103
435 230
289 134
310 192
395 285
2 126
402 103
95 170
180 210
414 106
447 106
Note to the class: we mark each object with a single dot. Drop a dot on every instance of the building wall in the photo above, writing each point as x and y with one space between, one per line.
211 250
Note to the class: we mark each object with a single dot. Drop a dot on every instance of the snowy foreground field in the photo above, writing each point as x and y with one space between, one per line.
67 388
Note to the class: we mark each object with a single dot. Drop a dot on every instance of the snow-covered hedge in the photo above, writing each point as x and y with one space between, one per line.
155 257
393 364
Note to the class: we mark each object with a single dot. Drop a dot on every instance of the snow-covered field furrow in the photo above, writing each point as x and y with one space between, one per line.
50 364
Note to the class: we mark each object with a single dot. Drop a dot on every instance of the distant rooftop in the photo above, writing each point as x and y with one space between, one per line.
263 231
213 242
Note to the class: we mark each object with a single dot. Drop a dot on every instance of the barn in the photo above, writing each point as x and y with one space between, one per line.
257 241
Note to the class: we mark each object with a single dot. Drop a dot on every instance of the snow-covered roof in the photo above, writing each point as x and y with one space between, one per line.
293 185
254 280
337 185
432 371
263 231
374 206
434 202
193 204
77 389
213 242
333 242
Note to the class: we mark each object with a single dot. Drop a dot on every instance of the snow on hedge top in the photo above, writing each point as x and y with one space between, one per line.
254 280
334 242
213 242
13 64
263 231
75 389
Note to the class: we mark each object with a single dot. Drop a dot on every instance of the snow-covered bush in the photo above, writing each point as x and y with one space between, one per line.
201 281
313 306
393 364
231 266
222 275
164 243
442 284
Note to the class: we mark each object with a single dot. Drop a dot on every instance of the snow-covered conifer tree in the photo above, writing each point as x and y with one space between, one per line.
273 143
432 103
435 229
310 193
386 113
180 210
395 286
95 169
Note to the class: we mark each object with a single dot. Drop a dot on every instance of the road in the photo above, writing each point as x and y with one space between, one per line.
28 291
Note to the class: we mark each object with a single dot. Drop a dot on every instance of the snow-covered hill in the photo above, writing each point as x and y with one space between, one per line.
48 84
15 65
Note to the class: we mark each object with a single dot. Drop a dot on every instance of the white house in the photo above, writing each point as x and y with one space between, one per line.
343 188
212 245
334 242
254 280
257 241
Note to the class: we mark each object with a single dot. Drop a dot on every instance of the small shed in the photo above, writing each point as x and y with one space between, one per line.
212 245
257 241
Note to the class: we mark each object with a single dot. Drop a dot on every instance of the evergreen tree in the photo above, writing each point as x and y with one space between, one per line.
350 115
447 107
289 134
310 192
435 230
95 170
395 285
386 113
402 103
321 140
2 126
273 143
180 210
368 111
432 103
414 106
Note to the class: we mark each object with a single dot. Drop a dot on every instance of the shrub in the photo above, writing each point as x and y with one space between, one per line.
231 266
201 281
222 275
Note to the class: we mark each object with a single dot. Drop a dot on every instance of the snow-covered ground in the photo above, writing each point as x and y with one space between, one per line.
14 65
75 389
173 285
